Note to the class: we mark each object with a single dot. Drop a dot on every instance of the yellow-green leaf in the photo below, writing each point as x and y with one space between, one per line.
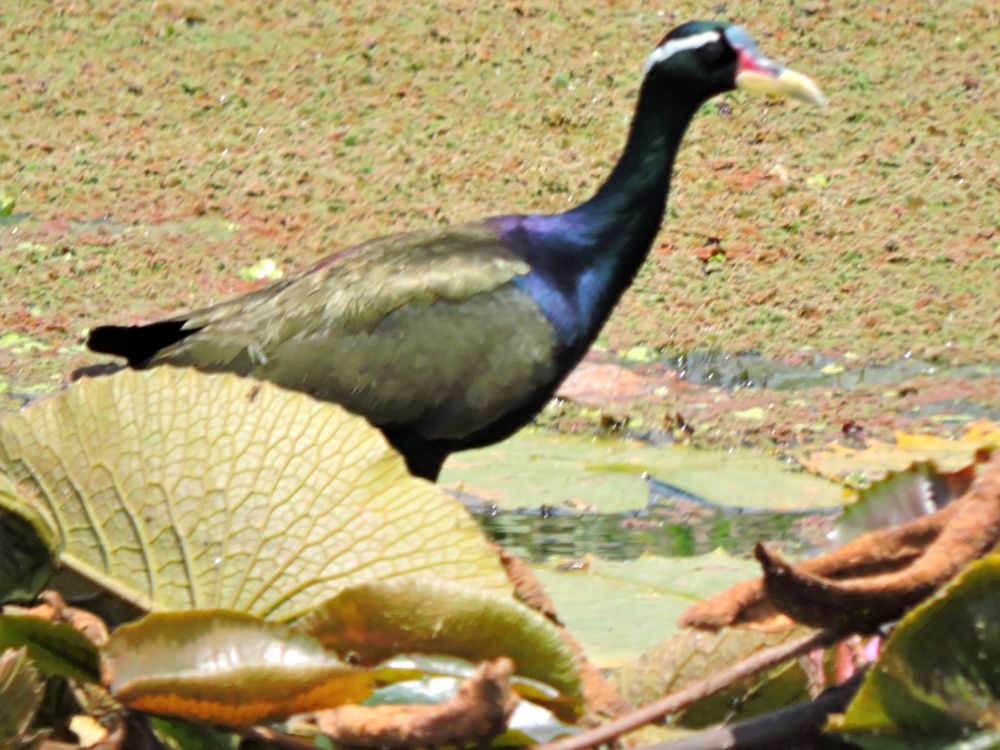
937 680
21 693
226 668
424 615
179 490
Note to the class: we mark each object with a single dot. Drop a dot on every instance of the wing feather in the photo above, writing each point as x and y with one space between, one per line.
421 331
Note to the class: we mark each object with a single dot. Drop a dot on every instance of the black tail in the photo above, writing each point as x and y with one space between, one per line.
137 343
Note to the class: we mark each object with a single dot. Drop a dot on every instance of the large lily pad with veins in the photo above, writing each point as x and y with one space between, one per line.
178 490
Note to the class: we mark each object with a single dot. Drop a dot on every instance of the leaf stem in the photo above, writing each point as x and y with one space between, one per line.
696 691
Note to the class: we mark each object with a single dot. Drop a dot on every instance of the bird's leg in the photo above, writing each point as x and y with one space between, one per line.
424 458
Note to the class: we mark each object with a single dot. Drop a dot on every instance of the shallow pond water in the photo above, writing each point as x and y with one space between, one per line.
752 370
674 523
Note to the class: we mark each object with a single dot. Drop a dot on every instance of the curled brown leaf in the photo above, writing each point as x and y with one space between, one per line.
872 579
601 697
476 714
55 609
527 587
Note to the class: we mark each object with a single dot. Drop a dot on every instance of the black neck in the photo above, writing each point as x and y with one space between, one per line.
624 216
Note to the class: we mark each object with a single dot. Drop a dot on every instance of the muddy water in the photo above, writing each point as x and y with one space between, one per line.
751 370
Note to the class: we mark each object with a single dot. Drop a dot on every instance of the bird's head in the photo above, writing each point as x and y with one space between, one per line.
706 58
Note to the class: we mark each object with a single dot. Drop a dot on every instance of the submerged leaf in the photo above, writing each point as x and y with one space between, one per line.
381 619
411 667
618 609
528 725
535 468
937 680
180 490
21 693
224 667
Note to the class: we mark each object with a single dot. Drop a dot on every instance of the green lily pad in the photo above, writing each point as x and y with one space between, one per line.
937 681
424 615
226 668
618 610
536 468
178 490
18 343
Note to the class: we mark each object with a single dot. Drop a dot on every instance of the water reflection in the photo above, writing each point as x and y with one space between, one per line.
671 525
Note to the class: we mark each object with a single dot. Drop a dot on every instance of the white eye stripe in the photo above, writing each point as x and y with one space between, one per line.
664 51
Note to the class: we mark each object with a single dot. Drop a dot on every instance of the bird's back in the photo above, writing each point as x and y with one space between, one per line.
421 332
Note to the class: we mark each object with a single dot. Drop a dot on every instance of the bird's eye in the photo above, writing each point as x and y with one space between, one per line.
712 52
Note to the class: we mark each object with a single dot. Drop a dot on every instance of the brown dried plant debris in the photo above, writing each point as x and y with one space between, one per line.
602 699
868 581
527 587
476 714
54 608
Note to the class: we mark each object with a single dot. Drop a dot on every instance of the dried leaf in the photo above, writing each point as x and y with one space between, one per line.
877 458
411 667
872 579
477 713
529 724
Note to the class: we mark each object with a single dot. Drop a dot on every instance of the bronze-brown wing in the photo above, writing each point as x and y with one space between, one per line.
412 331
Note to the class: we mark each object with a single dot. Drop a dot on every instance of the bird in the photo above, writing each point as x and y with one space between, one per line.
454 337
